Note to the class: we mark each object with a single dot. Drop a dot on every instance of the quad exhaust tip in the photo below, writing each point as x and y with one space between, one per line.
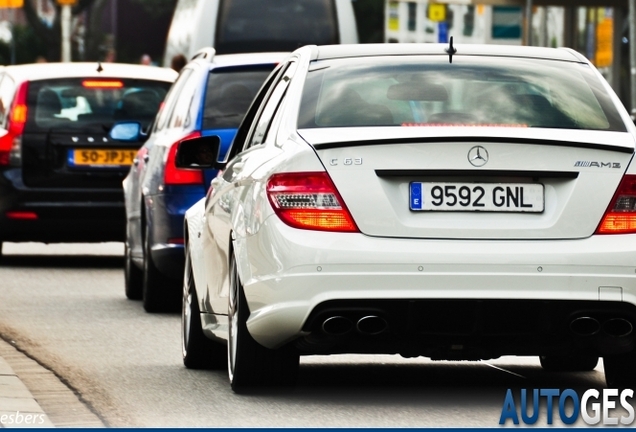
585 326
588 326
337 325
368 325
617 327
371 325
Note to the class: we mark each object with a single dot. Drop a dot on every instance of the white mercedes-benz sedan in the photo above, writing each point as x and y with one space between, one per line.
458 203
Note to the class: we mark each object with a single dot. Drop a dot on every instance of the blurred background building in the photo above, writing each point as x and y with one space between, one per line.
125 30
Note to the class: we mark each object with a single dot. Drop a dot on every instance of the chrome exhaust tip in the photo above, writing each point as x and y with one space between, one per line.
371 325
585 326
337 325
617 327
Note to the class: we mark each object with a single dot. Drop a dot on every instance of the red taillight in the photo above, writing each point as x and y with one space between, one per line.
309 201
620 216
180 176
102 84
21 215
9 143
176 240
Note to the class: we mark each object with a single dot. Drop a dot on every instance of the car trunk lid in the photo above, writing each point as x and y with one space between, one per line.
549 188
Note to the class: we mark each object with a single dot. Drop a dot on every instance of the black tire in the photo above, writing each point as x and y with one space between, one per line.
160 293
582 363
620 370
133 277
249 363
198 351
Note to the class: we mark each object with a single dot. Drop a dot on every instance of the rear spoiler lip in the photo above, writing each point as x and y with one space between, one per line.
473 139
472 173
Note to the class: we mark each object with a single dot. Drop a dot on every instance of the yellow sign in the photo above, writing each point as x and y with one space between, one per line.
437 12
67 2
604 35
394 16
11 3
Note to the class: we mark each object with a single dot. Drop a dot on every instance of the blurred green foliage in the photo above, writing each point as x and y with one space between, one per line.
28 46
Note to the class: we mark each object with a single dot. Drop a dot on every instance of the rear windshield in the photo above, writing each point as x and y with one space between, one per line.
274 25
472 91
229 95
86 103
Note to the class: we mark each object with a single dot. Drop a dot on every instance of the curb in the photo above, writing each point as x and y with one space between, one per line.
33 396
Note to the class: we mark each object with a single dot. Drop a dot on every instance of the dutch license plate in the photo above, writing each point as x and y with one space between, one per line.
488 197
99 157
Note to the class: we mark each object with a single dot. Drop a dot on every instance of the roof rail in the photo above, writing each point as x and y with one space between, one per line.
205 53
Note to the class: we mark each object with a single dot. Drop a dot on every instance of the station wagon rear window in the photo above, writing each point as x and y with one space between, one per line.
470 91
92 103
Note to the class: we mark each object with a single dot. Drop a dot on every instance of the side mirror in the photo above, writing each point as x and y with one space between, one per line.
126 131
201 152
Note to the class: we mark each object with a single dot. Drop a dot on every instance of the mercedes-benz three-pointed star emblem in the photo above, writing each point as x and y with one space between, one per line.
478 156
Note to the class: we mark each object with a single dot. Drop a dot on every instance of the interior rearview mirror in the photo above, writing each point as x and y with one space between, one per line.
201 152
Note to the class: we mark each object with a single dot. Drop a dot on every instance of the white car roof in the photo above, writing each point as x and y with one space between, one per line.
368 50
40 71
249 58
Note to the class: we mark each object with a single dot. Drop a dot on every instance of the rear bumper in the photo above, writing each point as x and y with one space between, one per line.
166 213
450 289
169 259
60 215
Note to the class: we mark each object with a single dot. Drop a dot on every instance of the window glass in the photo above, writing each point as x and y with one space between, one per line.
274 25
7 91
471 91
262 126
81 103
180 117
229 94
171 99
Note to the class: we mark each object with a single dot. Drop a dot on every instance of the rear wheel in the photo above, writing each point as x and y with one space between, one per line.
569 363
160 293
251 364
198 351
620 370
133 277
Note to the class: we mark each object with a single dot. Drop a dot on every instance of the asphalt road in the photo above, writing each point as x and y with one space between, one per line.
65 306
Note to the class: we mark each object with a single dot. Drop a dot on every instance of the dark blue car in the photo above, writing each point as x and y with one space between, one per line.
210 97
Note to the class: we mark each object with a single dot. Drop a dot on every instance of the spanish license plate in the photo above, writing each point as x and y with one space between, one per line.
486 197
100 157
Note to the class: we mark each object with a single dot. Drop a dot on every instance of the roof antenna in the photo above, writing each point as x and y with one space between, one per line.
99 66
450 50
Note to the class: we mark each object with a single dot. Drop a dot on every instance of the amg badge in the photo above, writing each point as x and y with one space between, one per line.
586 164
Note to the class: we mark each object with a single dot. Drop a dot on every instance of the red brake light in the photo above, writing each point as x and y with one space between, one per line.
15 125
181 176
102 84
309 201
620 216
21 215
